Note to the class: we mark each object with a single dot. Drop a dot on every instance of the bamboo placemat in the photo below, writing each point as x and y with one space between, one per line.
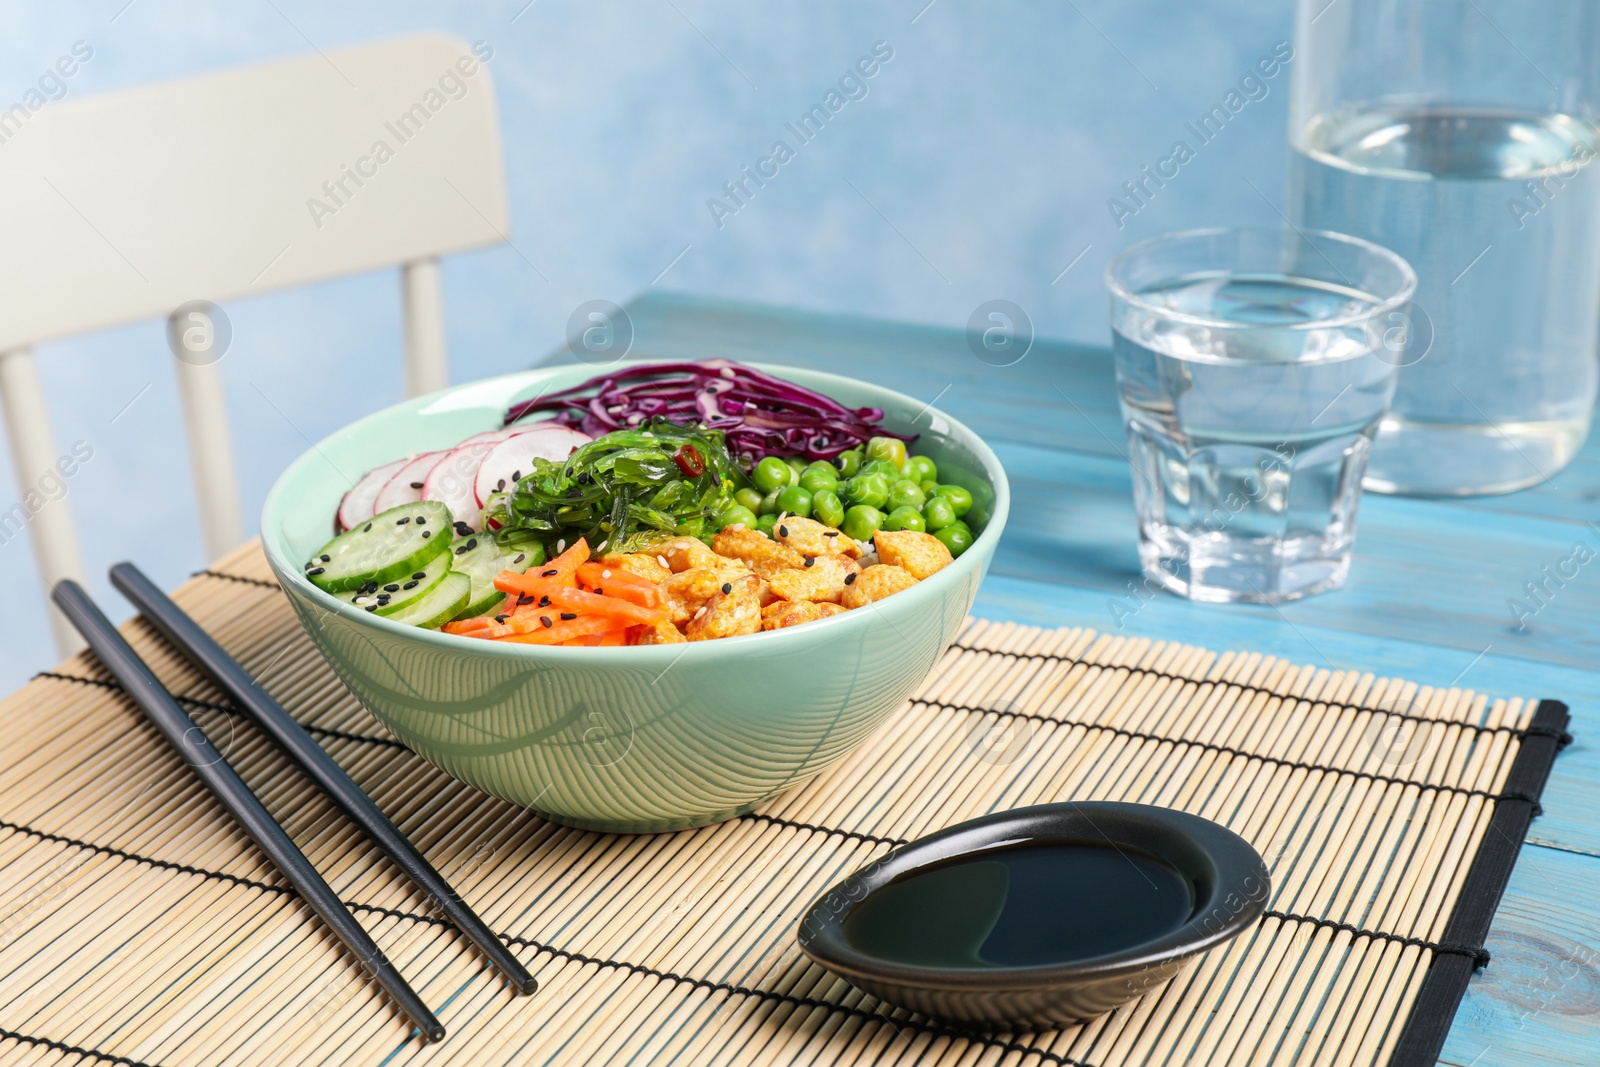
138 926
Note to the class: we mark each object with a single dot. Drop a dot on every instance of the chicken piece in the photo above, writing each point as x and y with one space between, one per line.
680 554
662 633
920 553
875 583
688 592
642 564
759 552
782 614
818 578
812 538
728 614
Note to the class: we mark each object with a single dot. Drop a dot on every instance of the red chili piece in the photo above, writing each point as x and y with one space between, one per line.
690 461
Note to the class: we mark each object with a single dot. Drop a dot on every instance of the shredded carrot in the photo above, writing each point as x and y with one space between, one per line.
620 583
569 599
562 631
565 566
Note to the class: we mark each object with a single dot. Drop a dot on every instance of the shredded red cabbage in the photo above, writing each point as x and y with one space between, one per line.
760 415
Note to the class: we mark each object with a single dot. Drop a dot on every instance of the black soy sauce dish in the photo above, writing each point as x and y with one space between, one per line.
1039 917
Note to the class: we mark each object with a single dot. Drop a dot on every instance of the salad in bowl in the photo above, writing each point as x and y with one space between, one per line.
641 601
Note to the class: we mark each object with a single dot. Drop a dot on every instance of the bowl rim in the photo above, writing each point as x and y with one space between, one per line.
289 576
1229 909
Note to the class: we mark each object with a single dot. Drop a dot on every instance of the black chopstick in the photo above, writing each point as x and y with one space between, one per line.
191 743
187 637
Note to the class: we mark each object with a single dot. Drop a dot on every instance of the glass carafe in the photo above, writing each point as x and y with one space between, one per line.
1461 134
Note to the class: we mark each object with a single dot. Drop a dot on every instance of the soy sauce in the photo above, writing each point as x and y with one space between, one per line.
1025 906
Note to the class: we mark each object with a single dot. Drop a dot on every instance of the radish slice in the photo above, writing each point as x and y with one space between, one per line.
514 456
450 481
405 485
356 505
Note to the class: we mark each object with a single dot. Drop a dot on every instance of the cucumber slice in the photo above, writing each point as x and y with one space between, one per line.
402 540
481 558
391 597
443 603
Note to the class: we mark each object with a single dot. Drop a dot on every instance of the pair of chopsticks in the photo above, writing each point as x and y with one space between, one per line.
190 742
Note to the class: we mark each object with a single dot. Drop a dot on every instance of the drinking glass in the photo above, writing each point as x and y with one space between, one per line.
1462 134
1253 366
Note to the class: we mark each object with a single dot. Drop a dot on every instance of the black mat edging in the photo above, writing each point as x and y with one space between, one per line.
1423 1037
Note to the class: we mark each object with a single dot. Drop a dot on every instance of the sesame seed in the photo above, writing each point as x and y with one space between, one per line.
569 615
392 587
372 607
500 619
699 612
605 573
544 602
402 522
500 486
516 476
663 561
810 560
598 591
416 485
426 534
850 579
551 573
316 570
420 575
473 543
545 619
520 557
727 587
367 528
409 585
783 531
422 520
325 557
830 533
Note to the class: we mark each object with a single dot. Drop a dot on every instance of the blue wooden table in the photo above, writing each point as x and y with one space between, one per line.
1431 598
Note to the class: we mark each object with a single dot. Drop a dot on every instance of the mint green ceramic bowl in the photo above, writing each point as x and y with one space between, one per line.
628 739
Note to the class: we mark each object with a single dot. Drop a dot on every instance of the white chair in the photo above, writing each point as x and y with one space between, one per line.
129 205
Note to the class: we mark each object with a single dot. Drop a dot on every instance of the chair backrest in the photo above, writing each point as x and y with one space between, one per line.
134 204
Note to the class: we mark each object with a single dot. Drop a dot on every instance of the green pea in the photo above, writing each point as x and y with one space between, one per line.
883 467
766 523
771 473
906 494
862 521
737 514
849 463
891 449
959 498
795 500
869 489
905 518
750 498
920 469
769 503
819 475
956 537
826 507
929 486
938 513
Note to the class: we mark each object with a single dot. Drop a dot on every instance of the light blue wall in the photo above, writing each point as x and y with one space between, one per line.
978 165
